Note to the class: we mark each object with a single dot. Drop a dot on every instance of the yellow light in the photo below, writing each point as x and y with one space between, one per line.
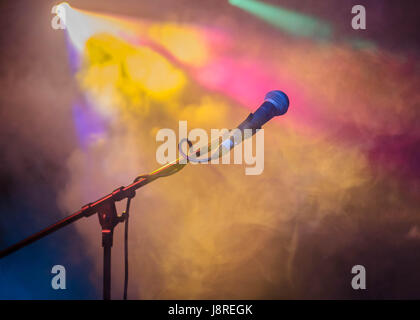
126 73
184 43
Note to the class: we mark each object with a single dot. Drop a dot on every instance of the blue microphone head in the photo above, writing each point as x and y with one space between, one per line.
280 101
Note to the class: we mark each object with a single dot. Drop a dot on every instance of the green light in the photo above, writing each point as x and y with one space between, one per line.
362 44
292 22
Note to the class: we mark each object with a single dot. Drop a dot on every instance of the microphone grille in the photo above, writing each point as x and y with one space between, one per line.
280 101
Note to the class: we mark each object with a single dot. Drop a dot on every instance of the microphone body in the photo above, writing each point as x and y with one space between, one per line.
275 103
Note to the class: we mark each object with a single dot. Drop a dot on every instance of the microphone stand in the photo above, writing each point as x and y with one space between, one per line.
108 218
105 206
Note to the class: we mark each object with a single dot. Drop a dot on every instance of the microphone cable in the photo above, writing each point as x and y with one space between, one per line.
126 215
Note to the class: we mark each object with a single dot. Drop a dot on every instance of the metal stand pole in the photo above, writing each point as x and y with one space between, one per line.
107 244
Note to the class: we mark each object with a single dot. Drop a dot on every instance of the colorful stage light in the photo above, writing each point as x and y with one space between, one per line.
341 165
289 21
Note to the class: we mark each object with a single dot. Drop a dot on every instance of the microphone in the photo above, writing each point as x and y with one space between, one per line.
276 103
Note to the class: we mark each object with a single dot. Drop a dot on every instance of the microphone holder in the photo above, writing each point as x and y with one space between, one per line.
108 218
